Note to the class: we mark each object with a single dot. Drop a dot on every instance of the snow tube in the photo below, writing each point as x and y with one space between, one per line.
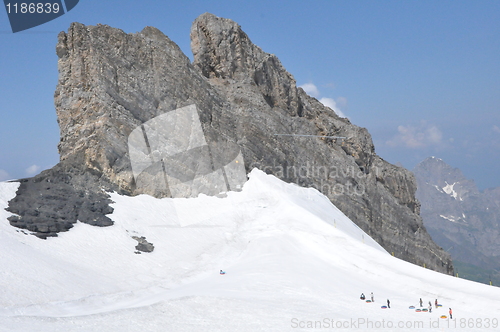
412 307
440 305
425 310
223 273
384 307
444 316
418 310
368 301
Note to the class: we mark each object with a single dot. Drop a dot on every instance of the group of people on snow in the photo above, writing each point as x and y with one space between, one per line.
436 305
362 297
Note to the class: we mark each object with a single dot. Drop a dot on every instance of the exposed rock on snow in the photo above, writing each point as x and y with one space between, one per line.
143 245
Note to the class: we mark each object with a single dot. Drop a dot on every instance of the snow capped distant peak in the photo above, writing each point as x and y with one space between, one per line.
432 161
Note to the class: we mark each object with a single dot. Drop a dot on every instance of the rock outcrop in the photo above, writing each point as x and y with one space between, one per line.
460 218
111 83
143 245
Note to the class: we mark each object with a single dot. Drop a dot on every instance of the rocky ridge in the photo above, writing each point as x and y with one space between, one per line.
111 83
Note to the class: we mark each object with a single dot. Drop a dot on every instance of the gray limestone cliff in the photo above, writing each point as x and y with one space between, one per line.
112 83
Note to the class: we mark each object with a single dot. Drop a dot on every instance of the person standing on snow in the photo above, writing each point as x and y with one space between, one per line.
373 299
388 304
451 314
430 307
362 297
421 302
436 303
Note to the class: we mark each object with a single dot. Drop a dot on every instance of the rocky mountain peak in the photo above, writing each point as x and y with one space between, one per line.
460 218
234 105
445 178
222 50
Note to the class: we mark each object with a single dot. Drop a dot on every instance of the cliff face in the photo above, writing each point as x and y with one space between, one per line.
112 83
461 218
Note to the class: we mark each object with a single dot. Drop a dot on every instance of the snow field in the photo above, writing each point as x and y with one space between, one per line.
292 260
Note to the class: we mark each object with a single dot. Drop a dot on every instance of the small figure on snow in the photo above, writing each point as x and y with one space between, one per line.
451 314
222 272
373 299
436 303
388 304
421 302
362 297
430 307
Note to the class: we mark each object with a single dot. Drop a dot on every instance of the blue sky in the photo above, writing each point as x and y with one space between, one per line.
422 76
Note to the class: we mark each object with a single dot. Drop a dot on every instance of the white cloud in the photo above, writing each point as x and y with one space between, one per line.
341 101
310 89
496 129
335 105
330 102
417 137
4 175
32 170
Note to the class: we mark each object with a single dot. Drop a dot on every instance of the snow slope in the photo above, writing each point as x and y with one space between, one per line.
294 262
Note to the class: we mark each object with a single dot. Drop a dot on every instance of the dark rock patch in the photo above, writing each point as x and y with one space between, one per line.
143 245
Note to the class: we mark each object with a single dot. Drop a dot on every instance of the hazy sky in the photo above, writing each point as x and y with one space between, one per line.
422 76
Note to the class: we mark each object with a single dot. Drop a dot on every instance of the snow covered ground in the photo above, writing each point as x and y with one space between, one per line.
294 262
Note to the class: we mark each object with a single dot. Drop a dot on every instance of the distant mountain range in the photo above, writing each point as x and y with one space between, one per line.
462 219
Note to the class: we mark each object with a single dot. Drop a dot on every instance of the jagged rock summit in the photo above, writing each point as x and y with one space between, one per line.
112 83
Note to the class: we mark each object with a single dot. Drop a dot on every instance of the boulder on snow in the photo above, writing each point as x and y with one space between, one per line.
143 245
